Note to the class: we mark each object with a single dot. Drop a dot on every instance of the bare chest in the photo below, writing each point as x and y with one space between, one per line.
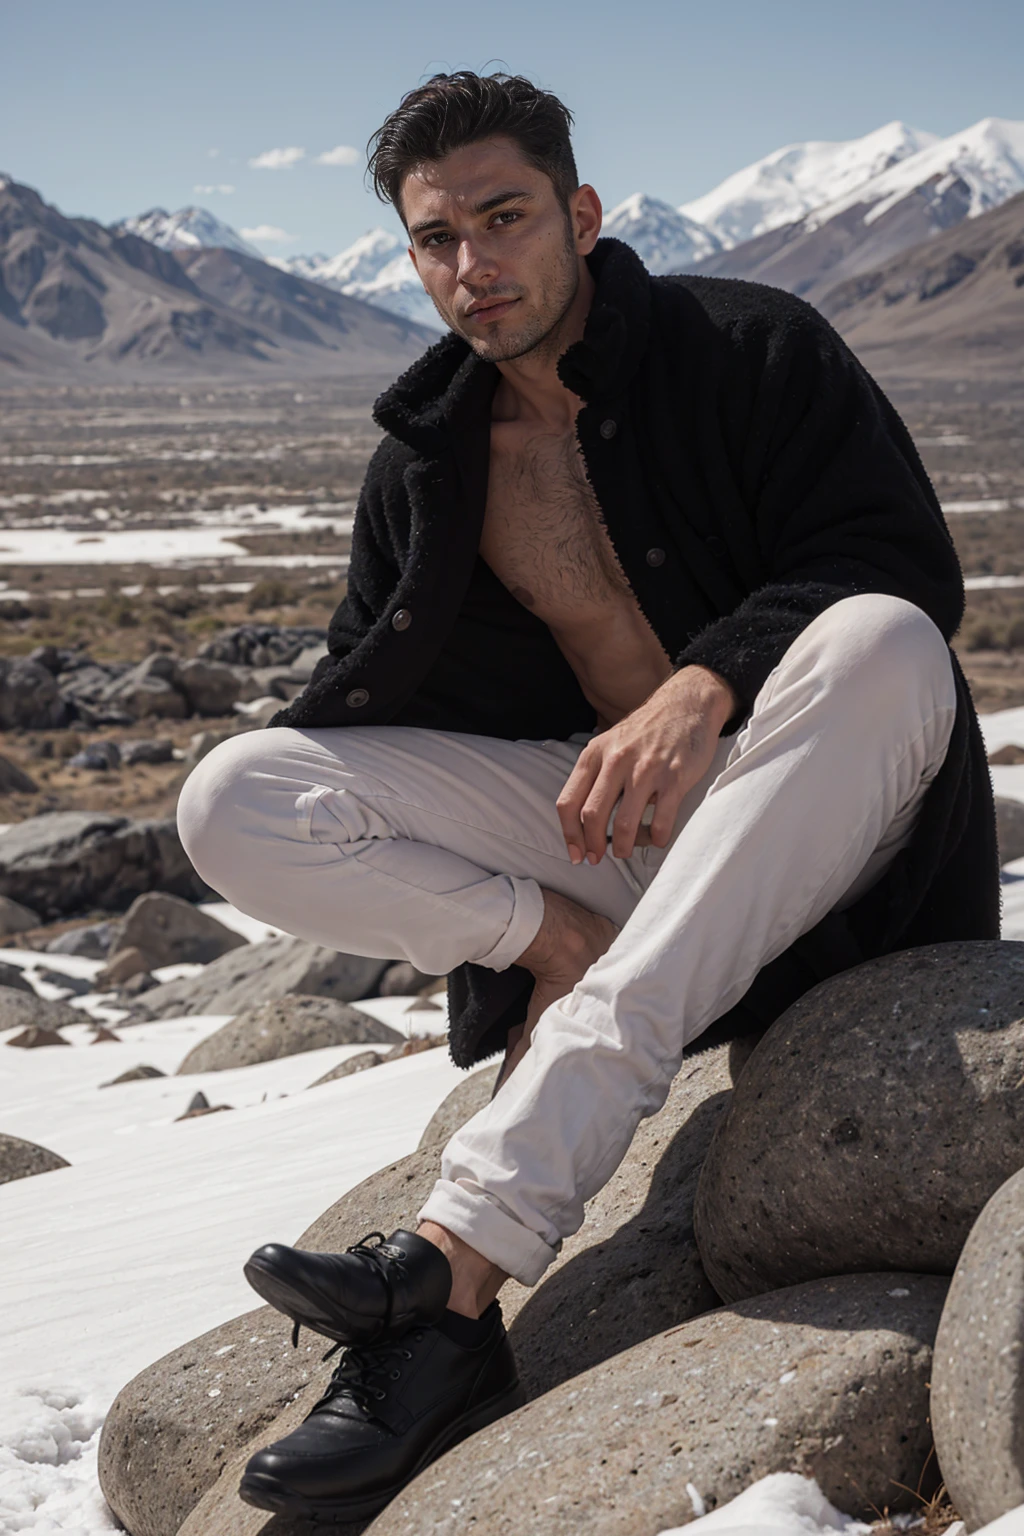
543 536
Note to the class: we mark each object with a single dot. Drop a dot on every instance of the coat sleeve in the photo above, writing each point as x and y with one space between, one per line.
838 497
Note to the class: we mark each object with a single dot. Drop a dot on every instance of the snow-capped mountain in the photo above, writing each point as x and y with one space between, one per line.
361 262
375 268
665 239
188 229
791 182
988 159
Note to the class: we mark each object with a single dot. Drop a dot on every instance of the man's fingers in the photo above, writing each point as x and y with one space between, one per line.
570 803
666 809
597 810
628 817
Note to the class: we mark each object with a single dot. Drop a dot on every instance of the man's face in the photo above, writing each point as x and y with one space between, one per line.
495 249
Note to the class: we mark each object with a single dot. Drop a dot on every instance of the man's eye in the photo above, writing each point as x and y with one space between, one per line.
433 239
511 214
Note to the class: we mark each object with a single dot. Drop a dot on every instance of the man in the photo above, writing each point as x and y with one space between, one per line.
639 718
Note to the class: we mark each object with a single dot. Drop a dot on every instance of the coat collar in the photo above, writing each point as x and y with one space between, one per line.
448 386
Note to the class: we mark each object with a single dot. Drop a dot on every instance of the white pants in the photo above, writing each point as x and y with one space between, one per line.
433 847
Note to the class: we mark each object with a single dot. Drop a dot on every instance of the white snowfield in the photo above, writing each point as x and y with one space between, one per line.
137 1247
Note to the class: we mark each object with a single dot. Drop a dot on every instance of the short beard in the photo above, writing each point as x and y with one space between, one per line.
542 337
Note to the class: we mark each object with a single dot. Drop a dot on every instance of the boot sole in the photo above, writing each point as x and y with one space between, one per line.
284 1298
265 1492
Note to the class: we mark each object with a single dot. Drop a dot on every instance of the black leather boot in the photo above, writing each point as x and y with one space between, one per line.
389 1411
370 1293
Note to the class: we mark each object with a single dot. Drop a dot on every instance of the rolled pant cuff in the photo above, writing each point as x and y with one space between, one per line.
490 1230
527 916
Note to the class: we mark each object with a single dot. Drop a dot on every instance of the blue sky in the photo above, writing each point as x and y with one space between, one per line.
115 106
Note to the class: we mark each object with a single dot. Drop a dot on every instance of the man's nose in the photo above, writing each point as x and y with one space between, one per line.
476 265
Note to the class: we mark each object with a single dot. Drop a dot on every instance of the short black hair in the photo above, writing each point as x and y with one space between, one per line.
450 111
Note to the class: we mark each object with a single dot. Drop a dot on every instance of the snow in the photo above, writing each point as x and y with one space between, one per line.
375 268
988 157
664 239
793 181
187 230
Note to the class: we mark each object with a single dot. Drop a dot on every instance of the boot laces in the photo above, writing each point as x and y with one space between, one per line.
363 1370
386 1261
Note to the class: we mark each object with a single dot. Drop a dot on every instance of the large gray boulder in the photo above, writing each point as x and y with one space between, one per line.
14 918
24 1010
288 1027
151 688
169 931
631 1271
28 696
872 1123
259 973
1009 829
210 687
828 1379
978 1377
472 1094
14 977
23 1159
66 862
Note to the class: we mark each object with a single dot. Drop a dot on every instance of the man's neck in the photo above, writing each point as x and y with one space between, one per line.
530 389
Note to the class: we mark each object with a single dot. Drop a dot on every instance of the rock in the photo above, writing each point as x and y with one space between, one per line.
66 862
169 931
287 1027
36 1035
306 661
404 980
23 1159
1009 754
92 942
13 781
1009 829
47 656
415 1044
134 1075
23 1010
29 699
204 1109
14 977
202 743
828 1379
978 1376
142 981
78 986
14 918
872 1122
103 1036
198 1101
160 750
631 1271
151 688
210 687
98 757
121 968
361 1063
262 645
472 1094
259 973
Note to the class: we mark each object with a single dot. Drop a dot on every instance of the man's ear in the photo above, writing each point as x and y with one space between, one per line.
586 214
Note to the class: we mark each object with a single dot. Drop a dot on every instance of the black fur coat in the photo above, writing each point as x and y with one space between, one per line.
749 473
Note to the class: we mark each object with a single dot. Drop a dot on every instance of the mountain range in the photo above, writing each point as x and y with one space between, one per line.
76 297
895 220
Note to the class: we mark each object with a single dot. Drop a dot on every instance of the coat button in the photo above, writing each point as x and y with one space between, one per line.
402 619
357 698
608 429
716 545
655 557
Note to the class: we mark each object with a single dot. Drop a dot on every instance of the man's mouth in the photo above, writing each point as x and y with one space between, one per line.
489 310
